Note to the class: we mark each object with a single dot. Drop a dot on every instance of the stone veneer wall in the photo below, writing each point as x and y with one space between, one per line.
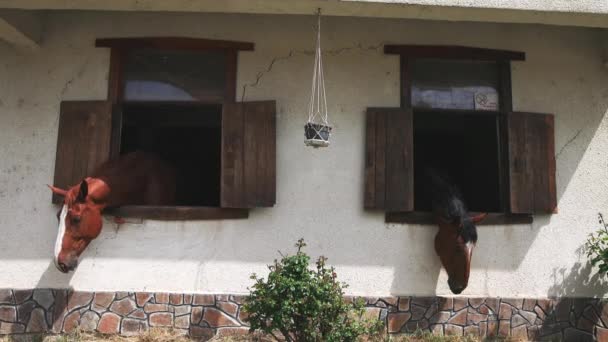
129 313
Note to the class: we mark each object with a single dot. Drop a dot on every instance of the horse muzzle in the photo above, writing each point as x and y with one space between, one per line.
456 288
66 266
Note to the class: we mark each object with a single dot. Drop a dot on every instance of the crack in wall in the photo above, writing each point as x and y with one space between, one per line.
292 53
570 141
69 82
78 75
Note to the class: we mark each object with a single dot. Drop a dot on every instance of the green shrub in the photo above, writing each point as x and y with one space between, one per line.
597 247
304 304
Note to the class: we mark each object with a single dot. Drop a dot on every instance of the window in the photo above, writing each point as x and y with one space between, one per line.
456 128
175 97
456 115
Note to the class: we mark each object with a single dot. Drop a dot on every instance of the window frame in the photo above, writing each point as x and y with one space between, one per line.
119 49
503 59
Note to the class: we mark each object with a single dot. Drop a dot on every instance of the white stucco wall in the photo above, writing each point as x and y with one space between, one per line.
319 192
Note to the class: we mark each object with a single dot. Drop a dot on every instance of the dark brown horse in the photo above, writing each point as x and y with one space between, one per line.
457 236
135 178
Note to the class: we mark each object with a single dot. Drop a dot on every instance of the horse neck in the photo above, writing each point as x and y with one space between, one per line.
448 229
99 190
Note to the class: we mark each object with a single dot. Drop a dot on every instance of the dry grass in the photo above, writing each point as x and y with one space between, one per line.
168 335
153 335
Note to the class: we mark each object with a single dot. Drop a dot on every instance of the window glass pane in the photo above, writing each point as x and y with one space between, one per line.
161 75
451 84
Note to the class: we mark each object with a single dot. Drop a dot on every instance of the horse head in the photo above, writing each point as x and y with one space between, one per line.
457 235
454 243
80 221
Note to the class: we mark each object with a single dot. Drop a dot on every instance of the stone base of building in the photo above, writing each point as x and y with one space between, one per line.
204 316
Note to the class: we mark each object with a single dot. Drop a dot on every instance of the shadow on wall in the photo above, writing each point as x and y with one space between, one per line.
62 296
41 309
576 319
582 274
52 276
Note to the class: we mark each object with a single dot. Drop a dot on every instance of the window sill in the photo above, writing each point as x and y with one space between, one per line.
419 217
177 213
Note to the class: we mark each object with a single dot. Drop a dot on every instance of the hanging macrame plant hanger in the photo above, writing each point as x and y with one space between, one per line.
317 130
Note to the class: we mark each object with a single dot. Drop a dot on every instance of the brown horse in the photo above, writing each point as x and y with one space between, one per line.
457 236
137 178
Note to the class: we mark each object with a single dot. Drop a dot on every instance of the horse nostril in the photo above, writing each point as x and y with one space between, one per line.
62 267
67 267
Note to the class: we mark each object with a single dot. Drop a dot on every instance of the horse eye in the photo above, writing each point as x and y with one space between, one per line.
75 219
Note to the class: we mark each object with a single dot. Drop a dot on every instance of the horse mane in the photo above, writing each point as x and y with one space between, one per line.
468 231
448 203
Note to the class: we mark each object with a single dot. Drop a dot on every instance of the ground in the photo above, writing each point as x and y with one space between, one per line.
163 335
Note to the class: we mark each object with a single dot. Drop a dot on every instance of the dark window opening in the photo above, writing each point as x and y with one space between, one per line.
188 136
456 129
172 108
463 145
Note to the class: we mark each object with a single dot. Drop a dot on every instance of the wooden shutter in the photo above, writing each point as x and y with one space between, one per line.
248 176
532 163
83 141
389 159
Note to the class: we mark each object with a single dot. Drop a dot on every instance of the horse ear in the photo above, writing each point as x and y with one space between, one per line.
479 217
84 191
57 191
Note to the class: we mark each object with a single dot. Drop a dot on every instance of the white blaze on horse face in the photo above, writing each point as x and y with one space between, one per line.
61 233
469 249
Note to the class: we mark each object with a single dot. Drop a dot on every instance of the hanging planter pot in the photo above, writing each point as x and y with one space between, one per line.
317 135
317 130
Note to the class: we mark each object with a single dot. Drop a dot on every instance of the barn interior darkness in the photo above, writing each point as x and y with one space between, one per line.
456 123
186 135
463 146
172 108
